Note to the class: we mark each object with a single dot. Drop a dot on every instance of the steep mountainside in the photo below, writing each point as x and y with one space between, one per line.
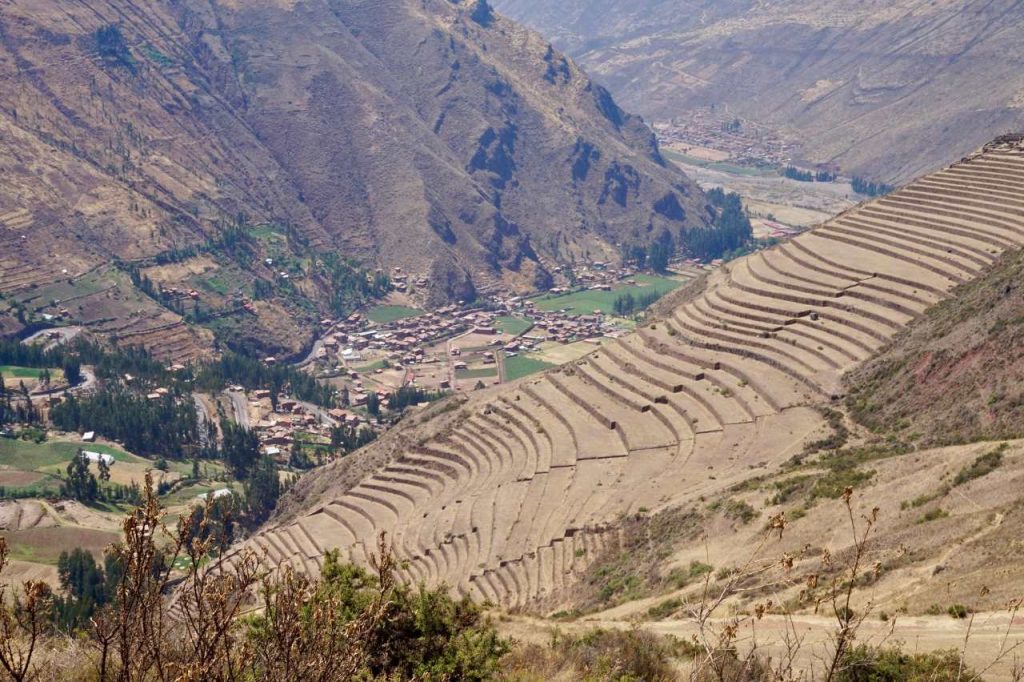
958 373
871 85
211 145
509 495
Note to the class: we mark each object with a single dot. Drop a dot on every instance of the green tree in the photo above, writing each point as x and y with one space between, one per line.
240 449
262 489
104 469
72 371
79 483
373 404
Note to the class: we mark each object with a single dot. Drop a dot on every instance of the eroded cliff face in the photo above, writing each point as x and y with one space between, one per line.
885 89
434 136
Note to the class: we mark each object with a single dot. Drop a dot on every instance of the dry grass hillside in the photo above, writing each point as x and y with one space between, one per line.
955 375
523 495
871 86
432 136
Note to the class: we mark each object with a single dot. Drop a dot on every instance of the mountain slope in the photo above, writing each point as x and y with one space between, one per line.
883 89
432 136
956 375
509 494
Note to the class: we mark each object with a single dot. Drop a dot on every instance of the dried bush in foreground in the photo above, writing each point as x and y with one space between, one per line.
221 618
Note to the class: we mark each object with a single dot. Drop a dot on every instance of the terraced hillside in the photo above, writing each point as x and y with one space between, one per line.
508 495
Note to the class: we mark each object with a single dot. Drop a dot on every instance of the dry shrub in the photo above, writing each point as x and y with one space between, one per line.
599 656
227 619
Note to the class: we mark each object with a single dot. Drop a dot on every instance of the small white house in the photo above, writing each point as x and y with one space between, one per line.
97 457
217 494
88 436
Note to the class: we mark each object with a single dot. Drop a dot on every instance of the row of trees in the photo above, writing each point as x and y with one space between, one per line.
655 256
350 438
869 188
731 231
16 407
233 368
403 398
627 304
86 587
167 426
794 173
350 284
81 484
240 452
13 352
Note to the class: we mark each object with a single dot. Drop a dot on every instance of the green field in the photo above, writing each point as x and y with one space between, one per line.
587 301
513 326
265 231
383 314
187 494
372 367
29 456
482 373
217 284
21 372
722 166
44 545
523 365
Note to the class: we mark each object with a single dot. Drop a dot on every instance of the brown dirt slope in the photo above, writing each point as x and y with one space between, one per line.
432 135
956 374
509 494
889 89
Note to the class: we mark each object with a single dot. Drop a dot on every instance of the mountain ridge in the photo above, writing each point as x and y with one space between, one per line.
869 87
436 137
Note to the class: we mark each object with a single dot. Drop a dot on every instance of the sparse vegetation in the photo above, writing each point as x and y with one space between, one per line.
599 655
112 47
933 515
364 626
839 437
737 510
982 466
889 664
958 611
633 570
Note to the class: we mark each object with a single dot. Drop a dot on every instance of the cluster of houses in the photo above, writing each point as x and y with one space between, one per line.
411 342
404 342
746 143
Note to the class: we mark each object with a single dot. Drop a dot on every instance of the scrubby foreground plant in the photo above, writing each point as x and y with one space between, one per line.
183 611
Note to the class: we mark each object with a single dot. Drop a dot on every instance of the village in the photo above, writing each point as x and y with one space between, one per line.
717 135
371 357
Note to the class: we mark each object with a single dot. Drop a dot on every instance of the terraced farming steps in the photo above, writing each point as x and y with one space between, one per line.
509 499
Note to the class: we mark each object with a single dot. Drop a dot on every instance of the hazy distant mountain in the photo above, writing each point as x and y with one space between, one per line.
886 88
426 134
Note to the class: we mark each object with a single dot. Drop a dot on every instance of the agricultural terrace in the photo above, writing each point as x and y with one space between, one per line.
512 497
